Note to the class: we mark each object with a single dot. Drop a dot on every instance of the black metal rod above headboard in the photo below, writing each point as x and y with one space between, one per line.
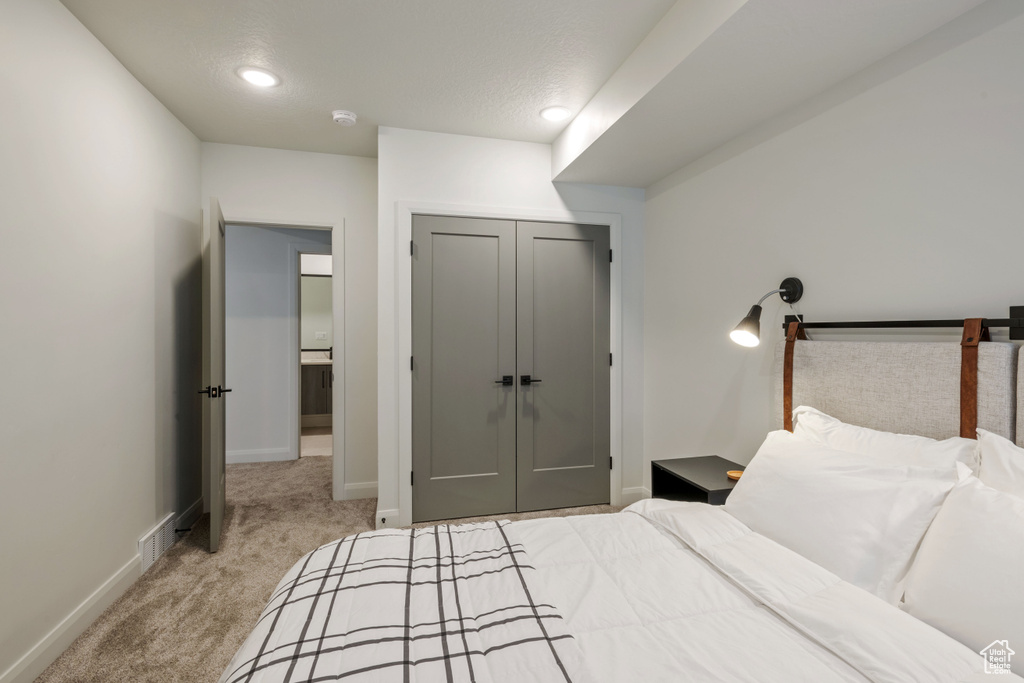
1015 322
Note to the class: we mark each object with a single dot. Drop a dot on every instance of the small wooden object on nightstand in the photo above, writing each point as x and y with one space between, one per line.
702 479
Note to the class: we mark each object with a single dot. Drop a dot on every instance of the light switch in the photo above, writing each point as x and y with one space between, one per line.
321 335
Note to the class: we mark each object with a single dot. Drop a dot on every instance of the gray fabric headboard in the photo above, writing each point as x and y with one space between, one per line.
904 387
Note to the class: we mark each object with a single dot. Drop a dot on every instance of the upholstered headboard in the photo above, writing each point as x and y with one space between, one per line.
905 387
1020 399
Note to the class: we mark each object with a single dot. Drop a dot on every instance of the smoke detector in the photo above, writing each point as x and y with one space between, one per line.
344 117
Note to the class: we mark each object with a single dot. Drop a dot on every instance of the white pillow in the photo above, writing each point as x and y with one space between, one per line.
968 578
813 425
1002 463
860 518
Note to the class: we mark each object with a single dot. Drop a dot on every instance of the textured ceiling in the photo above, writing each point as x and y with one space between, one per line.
473 67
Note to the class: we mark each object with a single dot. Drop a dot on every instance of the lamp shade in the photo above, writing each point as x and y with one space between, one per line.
748 332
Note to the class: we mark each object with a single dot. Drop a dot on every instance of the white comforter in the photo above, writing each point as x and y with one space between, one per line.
410 605
663 591
671 591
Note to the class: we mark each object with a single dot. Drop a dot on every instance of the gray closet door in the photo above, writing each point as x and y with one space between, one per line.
563 345
463 341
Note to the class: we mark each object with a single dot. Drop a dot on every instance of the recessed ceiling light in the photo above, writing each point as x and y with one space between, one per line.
555 113
258 77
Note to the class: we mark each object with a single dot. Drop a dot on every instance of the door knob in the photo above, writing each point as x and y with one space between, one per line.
526 380
506 380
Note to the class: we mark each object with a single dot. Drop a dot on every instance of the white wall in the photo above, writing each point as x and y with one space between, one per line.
99 269
481 173
896 195
300 188
316 317
262 339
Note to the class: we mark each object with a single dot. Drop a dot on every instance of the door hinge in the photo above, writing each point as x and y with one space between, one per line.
610 363
410 478
610 259
609 462
412 249
411 368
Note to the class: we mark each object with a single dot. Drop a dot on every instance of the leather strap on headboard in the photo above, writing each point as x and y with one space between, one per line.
793 332
974 333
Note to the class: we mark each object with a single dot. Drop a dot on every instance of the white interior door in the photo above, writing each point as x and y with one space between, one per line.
213 367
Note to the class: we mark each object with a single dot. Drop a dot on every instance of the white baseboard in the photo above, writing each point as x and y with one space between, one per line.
190 516
386 519
366 489
259 455
635 493
43 653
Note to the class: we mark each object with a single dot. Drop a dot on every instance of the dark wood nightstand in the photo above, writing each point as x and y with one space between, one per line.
699 480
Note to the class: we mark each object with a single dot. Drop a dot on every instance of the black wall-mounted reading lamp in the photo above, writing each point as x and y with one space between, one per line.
748 332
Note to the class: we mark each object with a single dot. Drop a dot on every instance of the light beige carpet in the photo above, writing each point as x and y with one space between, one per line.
316 441
186 616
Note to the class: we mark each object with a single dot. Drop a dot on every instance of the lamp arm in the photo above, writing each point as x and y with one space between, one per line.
774 291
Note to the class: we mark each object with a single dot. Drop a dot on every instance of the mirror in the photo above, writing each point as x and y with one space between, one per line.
315 315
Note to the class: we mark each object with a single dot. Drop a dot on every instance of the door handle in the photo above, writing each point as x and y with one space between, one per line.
221 391
526 380
207 391
506 380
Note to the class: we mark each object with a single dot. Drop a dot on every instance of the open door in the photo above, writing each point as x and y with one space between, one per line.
213 367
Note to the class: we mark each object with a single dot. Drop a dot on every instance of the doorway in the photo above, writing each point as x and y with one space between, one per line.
263 339
254 296
510 367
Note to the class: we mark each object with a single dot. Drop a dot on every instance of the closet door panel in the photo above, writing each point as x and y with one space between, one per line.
563 345
463 343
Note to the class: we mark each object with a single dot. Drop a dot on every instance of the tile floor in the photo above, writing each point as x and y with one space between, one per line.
316 441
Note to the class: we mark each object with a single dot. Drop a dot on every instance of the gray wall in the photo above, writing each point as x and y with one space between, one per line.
99 269
262 339
895 195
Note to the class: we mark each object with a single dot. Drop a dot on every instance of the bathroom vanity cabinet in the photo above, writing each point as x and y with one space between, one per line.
317 382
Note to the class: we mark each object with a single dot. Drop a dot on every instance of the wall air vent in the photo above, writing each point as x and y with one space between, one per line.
157 541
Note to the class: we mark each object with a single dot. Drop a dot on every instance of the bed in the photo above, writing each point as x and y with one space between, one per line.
668 591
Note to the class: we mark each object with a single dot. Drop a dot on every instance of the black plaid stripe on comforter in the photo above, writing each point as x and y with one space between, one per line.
446 603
